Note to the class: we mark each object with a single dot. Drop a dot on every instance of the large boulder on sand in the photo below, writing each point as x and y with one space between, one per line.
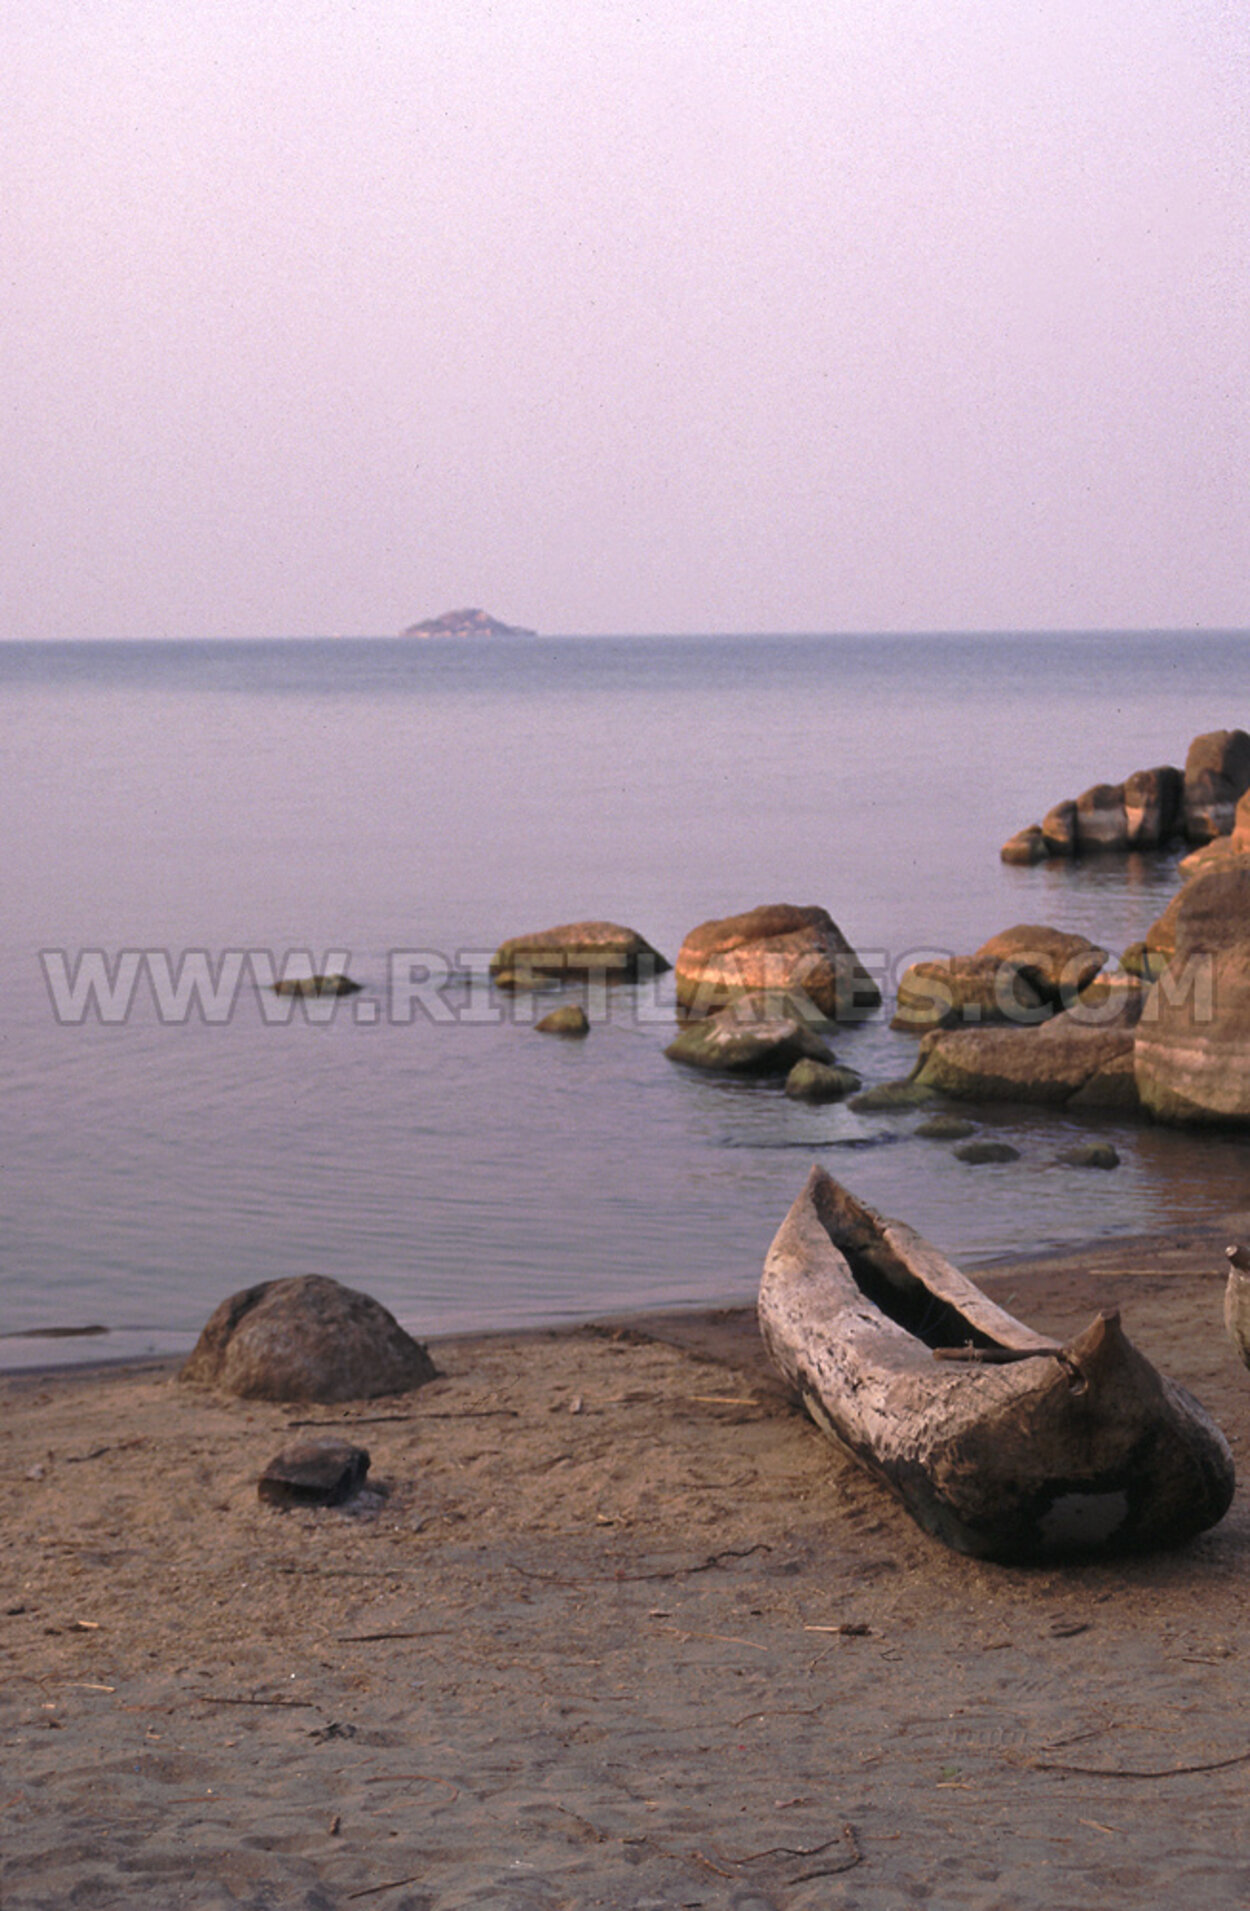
1217 774
306 1338
798 956
1192 1052
1083 1056
1058 965
575 951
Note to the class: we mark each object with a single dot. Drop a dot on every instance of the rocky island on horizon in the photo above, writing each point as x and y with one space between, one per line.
466 623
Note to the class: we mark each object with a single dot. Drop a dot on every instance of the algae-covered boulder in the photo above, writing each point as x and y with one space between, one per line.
306 1338
727 1045
813 1081
1063 1057
796 955
575 951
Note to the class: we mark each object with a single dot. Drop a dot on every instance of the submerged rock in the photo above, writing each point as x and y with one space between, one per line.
306 1338
821 1082
1090 1154
945 1128
980 1154
797 956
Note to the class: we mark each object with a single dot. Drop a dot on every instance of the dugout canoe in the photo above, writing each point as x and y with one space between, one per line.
998 1441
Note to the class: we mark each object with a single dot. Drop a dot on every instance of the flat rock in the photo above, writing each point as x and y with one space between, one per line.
314 1473
306 1338
945 1128
981 1154
316 985
1090 1154
577 951
787 951
1048 1064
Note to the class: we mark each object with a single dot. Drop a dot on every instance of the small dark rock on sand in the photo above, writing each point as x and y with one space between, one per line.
314 1473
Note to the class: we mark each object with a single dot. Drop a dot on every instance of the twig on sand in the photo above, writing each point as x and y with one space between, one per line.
1119 1771
846 1837
217 1698
371 1638
392 1884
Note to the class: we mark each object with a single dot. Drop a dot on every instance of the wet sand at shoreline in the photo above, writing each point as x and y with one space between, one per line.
614 1626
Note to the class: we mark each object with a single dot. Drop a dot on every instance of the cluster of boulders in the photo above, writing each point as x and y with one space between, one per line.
752 989
1149 810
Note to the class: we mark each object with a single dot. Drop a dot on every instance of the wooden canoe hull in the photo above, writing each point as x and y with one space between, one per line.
1054 1453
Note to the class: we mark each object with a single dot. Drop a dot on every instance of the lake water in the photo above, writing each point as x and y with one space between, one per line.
398 808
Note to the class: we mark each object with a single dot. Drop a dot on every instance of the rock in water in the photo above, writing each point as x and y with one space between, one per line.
316 985
572 1019
1217 775
797 956
1192 1052
314 1473
1058 965
727 1046
575 951
307 1338
820 1082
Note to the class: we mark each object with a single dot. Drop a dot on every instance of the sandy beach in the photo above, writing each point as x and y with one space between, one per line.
613 1626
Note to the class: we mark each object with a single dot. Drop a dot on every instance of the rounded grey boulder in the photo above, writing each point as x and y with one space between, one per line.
306 1338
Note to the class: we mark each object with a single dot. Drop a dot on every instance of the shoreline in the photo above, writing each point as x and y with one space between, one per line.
1151 1253
612 1624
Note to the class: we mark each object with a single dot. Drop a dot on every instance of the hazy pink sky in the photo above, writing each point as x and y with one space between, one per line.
865 314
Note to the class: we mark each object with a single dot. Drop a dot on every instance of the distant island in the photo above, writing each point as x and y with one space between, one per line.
465 623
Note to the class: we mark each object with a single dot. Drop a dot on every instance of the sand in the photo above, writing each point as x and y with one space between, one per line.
616 1627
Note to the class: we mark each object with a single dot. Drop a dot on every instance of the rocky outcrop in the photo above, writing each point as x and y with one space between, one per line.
1192 1052
797 956
307 1338
728 1044
1146 811
1026 846
1080 1053
576 951
1217 775
466 623
962 991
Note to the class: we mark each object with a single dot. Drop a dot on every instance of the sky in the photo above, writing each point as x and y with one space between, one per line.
707 315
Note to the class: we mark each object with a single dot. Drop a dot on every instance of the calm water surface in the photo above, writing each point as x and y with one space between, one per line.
406 806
